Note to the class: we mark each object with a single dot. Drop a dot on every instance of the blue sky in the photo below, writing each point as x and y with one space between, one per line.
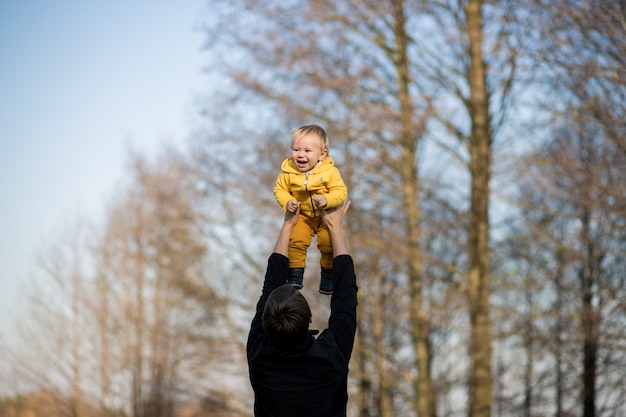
80 83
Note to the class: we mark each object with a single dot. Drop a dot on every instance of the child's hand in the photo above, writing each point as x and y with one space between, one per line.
320 201
293 205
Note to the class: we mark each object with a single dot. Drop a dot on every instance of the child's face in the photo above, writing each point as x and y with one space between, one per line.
306 152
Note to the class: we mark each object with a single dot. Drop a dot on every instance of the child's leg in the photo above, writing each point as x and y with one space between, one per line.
298 245
299 242
324 244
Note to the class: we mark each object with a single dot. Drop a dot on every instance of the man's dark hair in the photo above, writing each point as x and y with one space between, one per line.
286 316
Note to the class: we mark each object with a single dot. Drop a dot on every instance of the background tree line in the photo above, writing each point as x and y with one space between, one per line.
483 145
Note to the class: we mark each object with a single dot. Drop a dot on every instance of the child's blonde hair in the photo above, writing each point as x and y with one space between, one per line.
315 129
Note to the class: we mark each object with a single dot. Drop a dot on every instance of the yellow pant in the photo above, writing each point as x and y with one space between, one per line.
300 241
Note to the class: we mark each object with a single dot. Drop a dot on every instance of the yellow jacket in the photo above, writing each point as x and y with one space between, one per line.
324 179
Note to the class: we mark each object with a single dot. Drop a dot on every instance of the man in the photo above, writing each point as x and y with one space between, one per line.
294 374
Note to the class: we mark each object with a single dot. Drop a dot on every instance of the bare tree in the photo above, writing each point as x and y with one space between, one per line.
478 279
53 358
159 299
335 60
378 74
573 250
582 53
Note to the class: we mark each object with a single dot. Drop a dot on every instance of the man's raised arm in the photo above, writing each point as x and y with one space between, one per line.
333 219
343 302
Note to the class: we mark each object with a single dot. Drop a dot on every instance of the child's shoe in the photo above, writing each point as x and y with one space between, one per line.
295 277
326 281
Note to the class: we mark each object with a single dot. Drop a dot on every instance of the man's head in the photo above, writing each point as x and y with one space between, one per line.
286 316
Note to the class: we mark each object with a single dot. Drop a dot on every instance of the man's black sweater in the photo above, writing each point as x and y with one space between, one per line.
311 379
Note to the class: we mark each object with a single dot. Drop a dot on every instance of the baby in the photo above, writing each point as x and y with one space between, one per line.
309 180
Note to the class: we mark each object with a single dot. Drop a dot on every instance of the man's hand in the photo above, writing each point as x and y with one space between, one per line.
282 243
333 219
291 218
320 201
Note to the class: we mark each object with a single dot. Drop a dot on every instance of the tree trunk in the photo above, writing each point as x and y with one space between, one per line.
589 334
423 385
481 382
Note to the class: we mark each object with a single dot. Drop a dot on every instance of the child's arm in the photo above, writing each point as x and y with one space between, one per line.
282 191
337 191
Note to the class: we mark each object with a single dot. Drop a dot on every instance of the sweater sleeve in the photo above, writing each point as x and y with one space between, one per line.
337 190
342 321
282 189
275 276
